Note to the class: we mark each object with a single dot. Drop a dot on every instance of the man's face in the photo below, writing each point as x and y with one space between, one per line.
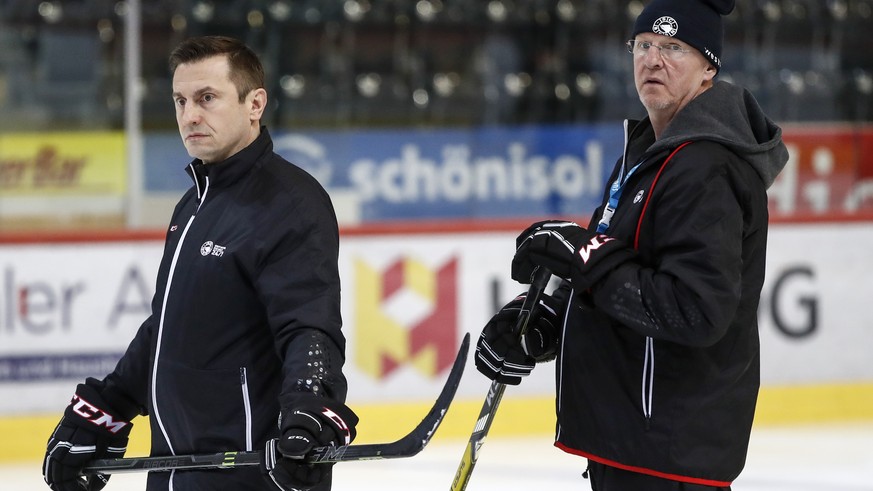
667 83
213 123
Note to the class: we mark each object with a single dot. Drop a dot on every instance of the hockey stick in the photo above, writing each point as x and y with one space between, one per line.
407 446
495 392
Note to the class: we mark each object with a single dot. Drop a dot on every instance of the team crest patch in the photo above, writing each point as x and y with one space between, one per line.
206 248
210 247
666 26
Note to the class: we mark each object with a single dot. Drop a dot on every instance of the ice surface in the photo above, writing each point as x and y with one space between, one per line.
807 458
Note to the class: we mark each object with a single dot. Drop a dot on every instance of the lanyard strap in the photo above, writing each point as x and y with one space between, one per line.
617 188
614 195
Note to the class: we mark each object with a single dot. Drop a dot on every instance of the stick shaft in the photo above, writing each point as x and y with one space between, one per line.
496 390
407 446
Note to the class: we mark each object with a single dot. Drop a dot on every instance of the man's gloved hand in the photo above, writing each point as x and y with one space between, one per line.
569 251
90 429
502 356
307 423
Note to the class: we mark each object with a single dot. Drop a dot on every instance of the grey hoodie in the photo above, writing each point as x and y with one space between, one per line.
737 122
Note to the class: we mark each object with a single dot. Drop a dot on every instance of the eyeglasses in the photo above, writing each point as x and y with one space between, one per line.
671 51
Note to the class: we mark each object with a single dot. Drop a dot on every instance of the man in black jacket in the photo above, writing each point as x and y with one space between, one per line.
244 342
655 325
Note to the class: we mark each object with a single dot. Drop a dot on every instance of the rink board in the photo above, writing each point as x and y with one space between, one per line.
69 307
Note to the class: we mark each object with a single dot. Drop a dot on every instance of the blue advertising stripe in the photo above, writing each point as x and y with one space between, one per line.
477 173
47 367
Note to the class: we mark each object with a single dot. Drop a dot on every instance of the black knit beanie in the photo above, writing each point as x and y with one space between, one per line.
696 22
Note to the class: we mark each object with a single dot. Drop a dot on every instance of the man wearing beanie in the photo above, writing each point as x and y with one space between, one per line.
655 324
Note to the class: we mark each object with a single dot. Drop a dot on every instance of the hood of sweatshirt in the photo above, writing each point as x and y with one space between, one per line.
730 115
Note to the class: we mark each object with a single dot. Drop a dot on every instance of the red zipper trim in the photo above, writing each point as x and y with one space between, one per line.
649 196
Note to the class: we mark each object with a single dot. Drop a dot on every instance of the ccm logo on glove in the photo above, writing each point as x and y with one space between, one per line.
569 251
593 244
95 415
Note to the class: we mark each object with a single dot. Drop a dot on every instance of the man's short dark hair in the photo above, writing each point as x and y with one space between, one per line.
246 70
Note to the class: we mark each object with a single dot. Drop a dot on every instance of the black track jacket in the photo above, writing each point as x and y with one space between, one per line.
248 284
659 368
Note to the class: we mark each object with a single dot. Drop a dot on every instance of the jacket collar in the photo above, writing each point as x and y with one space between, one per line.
224 173
639 138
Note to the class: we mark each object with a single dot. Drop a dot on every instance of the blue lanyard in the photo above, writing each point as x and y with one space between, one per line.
614 195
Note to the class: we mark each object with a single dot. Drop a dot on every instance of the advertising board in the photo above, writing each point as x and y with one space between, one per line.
68 310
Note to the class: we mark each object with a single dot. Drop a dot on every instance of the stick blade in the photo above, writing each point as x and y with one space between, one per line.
415 441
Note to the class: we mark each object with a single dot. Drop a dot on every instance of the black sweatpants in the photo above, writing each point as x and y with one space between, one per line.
606 478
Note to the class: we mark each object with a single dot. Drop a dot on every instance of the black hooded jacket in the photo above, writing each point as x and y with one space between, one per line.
248 289
659 366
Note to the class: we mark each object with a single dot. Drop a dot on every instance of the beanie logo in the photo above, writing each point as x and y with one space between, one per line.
666 26
712 56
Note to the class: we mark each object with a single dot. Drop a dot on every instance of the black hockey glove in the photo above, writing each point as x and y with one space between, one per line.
502 356
305 424
90 429
576 254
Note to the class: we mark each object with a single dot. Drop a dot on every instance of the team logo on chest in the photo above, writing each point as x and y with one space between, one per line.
639 196
209 248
